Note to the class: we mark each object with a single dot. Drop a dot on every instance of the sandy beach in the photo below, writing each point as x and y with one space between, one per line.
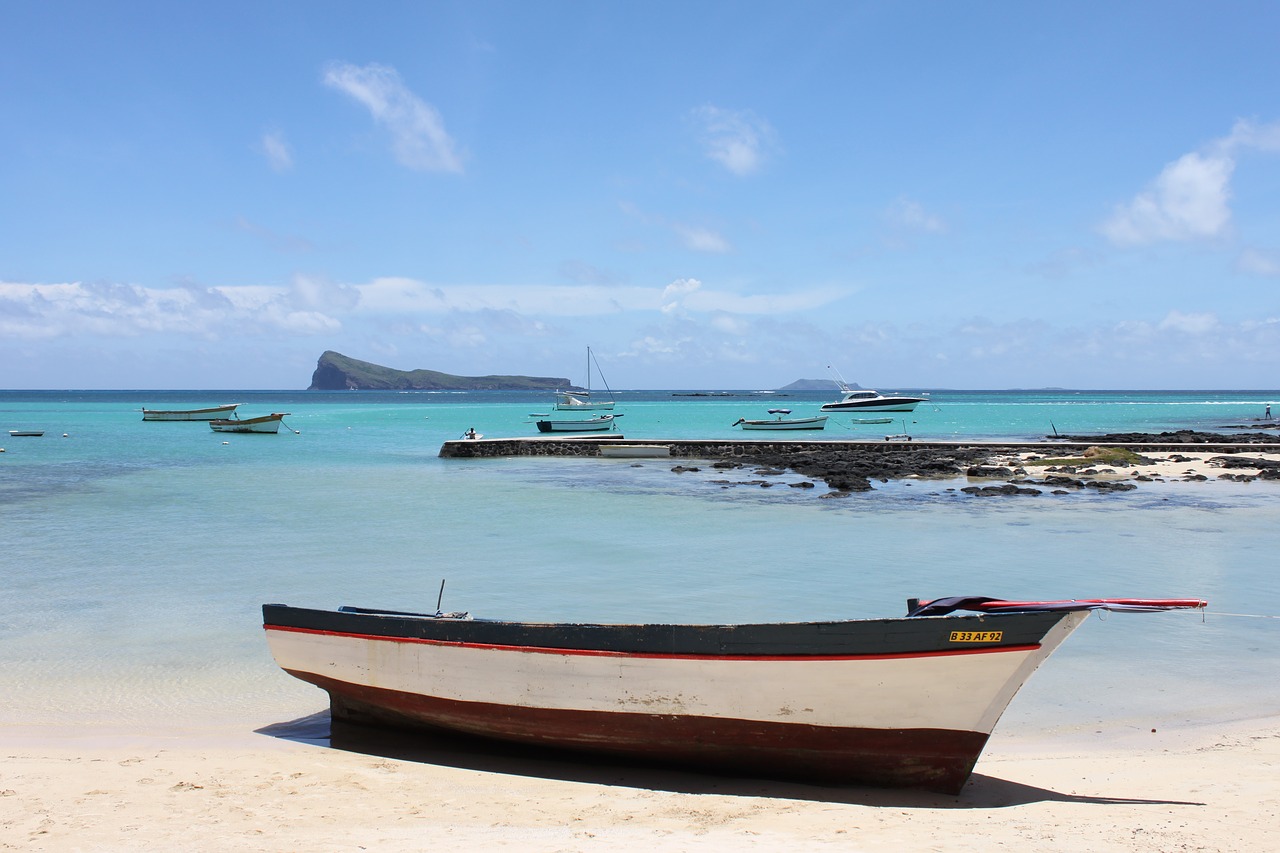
1213 788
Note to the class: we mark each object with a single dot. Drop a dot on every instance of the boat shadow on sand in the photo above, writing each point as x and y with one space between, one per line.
473 753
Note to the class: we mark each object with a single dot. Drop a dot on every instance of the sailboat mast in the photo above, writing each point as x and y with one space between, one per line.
592 358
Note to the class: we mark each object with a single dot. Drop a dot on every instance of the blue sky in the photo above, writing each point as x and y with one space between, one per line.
710 195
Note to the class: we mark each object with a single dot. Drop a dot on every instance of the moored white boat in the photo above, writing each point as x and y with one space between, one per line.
262 424
903 702
599 422
781 421
865 400
581 401
206 414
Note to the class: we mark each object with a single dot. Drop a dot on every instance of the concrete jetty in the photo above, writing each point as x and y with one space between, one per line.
686 448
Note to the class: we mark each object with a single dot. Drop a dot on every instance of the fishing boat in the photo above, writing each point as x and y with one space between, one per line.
206 414
262 424
898 702
872 420
593 424
26 433
781 421
581 401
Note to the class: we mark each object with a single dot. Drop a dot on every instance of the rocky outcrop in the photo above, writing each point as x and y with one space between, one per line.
337 372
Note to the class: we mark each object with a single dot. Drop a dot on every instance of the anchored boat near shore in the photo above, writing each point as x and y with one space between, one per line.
594 424
262 424
582 401
781 421
206 414
899 702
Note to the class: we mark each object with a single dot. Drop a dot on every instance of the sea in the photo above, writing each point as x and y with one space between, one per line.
135 556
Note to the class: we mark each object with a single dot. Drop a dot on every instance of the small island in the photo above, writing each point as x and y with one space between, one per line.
337 372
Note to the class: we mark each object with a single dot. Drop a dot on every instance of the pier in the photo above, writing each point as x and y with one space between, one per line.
686 448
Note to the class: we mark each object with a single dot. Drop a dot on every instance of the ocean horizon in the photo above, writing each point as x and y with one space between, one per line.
137 554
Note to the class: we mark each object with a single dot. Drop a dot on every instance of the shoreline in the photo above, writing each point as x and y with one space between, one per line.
1102 462
1209 787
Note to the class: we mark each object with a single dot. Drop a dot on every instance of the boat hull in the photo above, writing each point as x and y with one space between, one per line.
209 414
887 404
267 424
819 422
592 425
894 702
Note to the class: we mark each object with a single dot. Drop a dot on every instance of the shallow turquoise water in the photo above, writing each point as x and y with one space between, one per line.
136 555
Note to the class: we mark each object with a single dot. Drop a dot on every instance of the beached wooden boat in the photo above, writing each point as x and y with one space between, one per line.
262 424
781 421
206 414
599 422
902 702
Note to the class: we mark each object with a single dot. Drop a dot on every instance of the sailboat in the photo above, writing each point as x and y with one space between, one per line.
580 401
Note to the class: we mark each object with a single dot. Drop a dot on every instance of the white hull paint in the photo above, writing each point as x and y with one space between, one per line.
209 414
265 424
959 691
883 404
596 424
817 422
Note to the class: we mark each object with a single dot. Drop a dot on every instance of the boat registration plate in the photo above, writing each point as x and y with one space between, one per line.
976 636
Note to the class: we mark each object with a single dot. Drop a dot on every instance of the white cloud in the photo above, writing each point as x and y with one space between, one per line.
735 140
418 137
277 150
911 215
35 311
1189 198
677 290
313 305
320 293
1249 134
1189 324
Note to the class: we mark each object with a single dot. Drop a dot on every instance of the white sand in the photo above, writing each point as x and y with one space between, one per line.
1206 789
1183 465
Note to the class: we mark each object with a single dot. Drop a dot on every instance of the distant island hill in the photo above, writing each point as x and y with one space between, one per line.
337 372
